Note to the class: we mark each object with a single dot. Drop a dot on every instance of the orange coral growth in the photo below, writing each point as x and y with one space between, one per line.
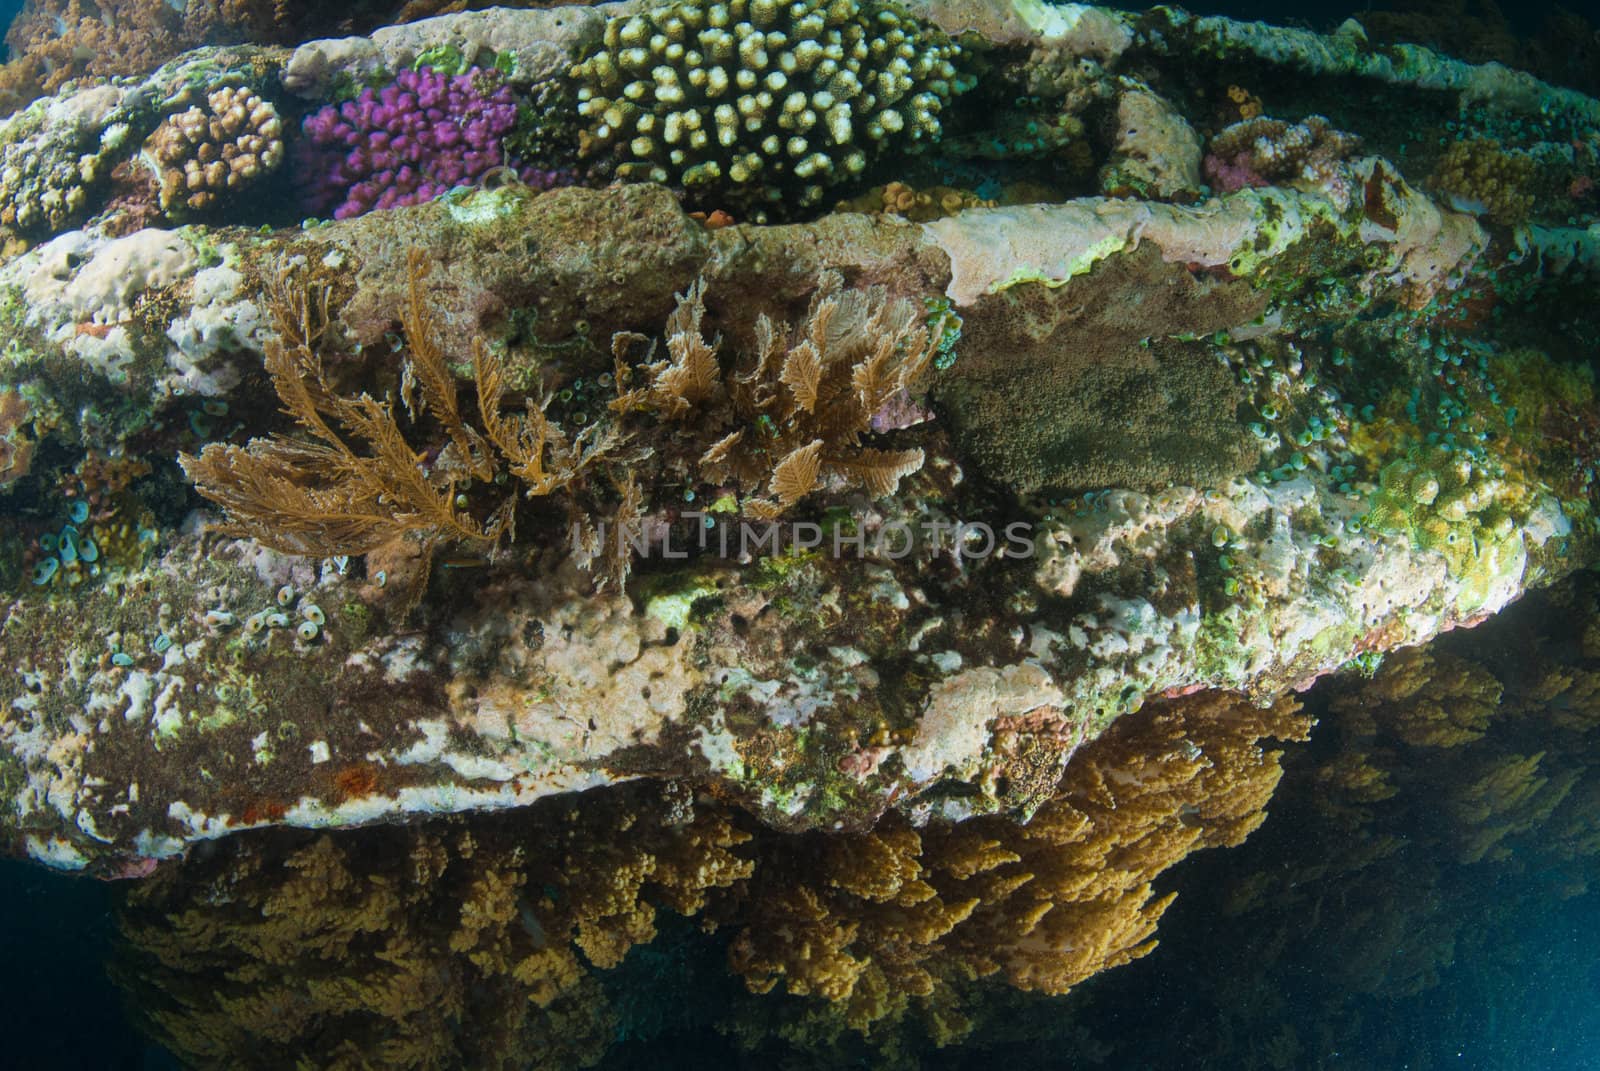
16 447
919 206
445 946
1246 105
470 943
873 920
357 484
356 782
1427 698
795 417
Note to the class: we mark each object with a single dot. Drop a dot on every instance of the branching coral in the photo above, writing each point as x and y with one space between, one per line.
1426 699
446 946
875 921
1309 155
408 142
324 496
202 155
798 414
761 103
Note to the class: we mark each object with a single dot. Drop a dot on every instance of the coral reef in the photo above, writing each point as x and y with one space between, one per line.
55 41
900 546
467 612
204 155
763 104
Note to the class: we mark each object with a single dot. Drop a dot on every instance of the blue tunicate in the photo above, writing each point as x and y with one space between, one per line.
89 551
79 512
161 644
49 542
68 550
122 658
45 571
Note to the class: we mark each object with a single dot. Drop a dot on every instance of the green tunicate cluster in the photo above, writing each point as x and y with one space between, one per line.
945 324
760 102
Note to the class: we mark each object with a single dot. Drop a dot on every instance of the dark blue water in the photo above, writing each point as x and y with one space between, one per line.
59 1010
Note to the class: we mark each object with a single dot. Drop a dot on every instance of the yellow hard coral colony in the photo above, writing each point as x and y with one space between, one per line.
1427 699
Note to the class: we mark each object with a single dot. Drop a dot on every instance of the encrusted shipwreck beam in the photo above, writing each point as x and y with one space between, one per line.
1227 442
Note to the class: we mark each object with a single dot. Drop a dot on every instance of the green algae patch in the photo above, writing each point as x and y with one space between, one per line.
675 607
474 207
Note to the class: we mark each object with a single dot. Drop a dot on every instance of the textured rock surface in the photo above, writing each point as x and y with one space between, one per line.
1238 442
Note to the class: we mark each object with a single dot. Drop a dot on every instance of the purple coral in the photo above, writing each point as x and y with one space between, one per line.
409 142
